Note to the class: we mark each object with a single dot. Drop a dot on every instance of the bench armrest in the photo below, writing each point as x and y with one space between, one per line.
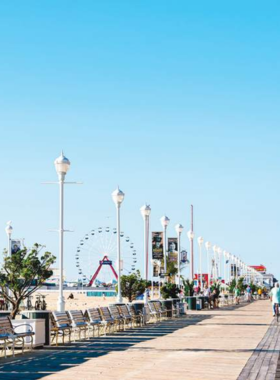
24 324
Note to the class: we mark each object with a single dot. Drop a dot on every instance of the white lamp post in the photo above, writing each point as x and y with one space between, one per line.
152 276
200 242
225 256
164 222
179 229
208 246
215 250
220 261
191 237
145 212
9 230
62 165
229 267
118 197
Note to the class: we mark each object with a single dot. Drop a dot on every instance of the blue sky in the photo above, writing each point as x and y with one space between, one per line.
177 102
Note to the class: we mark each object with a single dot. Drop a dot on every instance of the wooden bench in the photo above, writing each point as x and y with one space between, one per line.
78 323
127 317
153 311
158 307
10 337
61 325
94 319
137 318
107 318
119 320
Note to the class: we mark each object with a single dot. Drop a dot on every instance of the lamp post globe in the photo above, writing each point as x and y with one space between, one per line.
145 211
9 229
118 197
62 165
164 221
190 235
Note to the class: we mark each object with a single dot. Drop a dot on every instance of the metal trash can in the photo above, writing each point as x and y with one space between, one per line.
183 307
198 304
40 314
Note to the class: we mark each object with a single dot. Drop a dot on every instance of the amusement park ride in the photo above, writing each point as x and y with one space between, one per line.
98 250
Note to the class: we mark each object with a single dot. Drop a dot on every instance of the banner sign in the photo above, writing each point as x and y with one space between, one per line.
16 246
173 249
157 245
184 256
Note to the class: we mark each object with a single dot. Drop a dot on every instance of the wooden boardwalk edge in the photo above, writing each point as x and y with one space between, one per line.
262 364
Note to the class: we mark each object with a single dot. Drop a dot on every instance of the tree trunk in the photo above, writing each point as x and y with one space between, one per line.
15 309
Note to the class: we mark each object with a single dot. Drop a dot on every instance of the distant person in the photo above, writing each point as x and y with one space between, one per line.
259 293
248 293
237 295
275 297
214 299
71 296
207 294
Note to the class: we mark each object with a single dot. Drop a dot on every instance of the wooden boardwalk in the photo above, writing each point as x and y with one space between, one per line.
262 364
214 344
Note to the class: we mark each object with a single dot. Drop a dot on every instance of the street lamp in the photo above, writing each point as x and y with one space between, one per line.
118 197
62 165
191 237
208 246
225 256
164 222
200 242
9 230
215 250
179 229
145 212
220 261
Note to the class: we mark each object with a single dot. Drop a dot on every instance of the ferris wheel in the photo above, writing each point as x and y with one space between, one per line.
96 256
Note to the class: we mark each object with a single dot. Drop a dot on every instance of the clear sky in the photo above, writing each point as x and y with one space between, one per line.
177 102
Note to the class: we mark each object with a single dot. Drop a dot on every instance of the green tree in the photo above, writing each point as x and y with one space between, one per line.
240 285
232 286
23 273
132 285
169 290
188 288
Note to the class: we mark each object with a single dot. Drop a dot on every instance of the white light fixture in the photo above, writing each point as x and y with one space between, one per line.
118 196
164 221
62 164
190 235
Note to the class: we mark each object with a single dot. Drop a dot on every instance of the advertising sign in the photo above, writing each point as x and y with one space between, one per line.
173 249
157 245
184 256
15 246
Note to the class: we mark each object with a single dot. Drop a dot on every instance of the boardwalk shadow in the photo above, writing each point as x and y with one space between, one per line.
41 363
